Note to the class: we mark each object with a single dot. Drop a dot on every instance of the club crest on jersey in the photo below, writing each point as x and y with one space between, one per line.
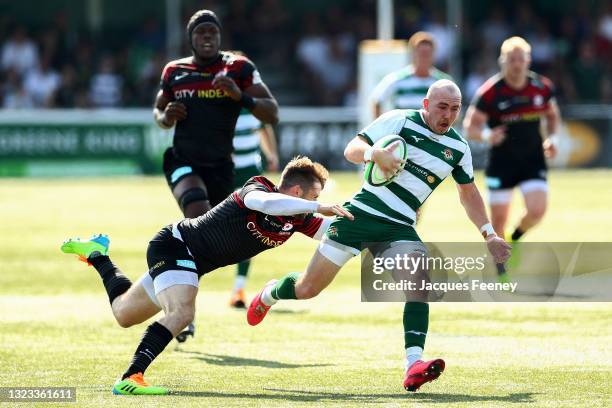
431 179
448 154
332 232
287 227
538 100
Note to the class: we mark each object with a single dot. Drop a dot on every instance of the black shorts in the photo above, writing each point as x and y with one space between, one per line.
502 176
218 179
166 252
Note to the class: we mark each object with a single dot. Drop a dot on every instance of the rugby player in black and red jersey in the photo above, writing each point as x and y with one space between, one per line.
506 112
202 96
257 217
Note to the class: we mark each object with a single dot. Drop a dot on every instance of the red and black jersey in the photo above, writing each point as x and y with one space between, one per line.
231 232
205 136
520 110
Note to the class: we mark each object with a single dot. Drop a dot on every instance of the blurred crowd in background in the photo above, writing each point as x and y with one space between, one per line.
306 58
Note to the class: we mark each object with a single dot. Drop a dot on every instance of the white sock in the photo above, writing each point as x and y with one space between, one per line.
266 296
413 354
239 282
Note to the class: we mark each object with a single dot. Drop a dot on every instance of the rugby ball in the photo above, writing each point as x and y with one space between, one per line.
373 175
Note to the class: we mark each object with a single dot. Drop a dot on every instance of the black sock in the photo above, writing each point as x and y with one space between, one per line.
115 283
501 268
517 234
153 342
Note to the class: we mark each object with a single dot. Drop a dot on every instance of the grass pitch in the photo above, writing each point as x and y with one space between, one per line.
56 328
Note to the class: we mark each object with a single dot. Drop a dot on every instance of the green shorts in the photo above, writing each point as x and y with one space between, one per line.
245 173
345 238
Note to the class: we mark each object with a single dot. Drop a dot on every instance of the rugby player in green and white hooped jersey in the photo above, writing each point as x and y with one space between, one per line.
251 138
406 88
386 214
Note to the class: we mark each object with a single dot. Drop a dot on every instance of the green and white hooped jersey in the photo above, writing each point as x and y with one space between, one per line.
246 141
431 158
404 89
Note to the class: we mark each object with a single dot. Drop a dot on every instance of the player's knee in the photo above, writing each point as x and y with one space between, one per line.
183 315
537 211
123 317
193 195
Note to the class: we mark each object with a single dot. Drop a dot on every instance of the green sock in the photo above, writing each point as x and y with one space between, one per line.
243 268
416 323
285 287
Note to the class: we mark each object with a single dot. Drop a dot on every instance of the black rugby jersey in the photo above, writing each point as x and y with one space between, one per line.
231 232
520 110
205 136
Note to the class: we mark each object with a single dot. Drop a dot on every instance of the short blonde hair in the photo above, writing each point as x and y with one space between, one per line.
421 37
512 43
303 171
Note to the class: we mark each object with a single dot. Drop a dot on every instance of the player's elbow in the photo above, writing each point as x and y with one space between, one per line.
351 154
272 113
274 117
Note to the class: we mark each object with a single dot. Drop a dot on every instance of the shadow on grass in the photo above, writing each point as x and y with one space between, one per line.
311 396
287 311
221 360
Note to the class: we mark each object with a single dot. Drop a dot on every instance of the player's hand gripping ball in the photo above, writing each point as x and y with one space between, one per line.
397 147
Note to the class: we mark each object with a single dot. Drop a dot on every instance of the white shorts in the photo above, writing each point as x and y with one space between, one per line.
335 252
165 280
504 196
340 254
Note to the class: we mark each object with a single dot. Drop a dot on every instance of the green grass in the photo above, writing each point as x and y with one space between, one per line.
56 328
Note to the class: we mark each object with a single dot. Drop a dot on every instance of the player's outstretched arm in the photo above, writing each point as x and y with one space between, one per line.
283 204
474 207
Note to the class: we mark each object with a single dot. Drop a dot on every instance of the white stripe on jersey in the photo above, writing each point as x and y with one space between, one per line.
247 121
445 140
413 184
370 210
432 163
392 201
246 160
249 141
409 101
414 81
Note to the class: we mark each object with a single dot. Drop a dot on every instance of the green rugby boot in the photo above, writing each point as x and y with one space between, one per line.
84 249
136 385
515 255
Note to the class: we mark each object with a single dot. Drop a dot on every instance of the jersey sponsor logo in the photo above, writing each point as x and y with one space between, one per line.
518 117
272 243
538 100
416 138
288 226
416 169
448 154
158 265
200 93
